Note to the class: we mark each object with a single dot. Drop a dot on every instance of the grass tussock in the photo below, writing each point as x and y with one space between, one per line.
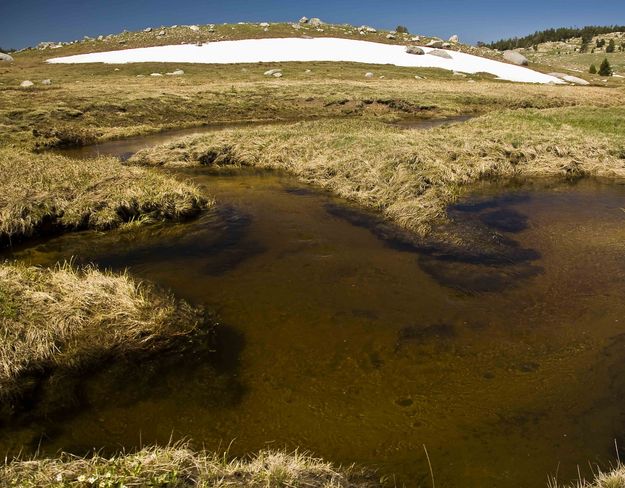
64 318
45 193
412 176
614 478
178 466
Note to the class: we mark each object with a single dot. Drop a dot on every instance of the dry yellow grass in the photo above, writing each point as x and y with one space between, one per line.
614 478
44 193
178 466
412 176
64 318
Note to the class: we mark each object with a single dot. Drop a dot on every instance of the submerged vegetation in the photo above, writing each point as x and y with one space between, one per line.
46 193
66 318
412 177
178 466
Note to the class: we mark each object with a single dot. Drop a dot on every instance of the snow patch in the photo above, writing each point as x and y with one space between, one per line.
318 49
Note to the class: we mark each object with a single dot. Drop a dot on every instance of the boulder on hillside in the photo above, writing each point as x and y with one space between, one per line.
414 50
435 44
264 24
440 53
315 22
454 38
26 84
369 74
303 20
390 36
194 28
46 82
575 80
515 58
272 72
5 58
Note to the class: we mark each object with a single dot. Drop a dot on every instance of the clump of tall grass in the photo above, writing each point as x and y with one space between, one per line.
412 176
613 478
44 193
178 466
66 318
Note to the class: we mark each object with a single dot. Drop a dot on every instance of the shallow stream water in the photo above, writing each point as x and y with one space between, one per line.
502 354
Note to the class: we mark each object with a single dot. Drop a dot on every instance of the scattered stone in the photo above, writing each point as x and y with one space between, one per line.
272 72
416 39
515 58
296 26
46 82
26 84
308 71
390 36
304 20
315 22
369 75
461 75
178 72
5 58
161 33
440 53
264 24
147 29
435 44
454 38
278 74
414 50
116 69
417 77
175 26
156 74
194 28
100 38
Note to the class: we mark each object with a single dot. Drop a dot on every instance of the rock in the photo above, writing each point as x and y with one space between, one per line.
46 82
416 39
304 20
296 26
272 72
315 22
366 28
440 53
414 50
100 38
369 75
417 77
446 45
277 74
308 71
175 26
515 58
178 72
454 38
194 28
161 33
156 74
266 29
461 75
26 84
264 24
5 58
147 29
435 44
390 36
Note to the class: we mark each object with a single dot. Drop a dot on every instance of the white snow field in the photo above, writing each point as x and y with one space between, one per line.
317 49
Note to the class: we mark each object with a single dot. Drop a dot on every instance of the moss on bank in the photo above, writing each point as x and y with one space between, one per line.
65 319
412 176
181 467
46 193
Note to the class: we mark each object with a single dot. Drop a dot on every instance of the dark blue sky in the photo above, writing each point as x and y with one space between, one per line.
27 22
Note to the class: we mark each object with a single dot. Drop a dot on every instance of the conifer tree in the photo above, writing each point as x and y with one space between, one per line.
605 69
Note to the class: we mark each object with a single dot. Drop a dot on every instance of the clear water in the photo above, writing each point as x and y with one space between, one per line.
502 353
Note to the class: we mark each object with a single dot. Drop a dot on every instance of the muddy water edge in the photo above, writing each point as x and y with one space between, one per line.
502 353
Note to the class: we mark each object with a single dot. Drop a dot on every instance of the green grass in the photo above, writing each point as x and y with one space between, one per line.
41 194
412 176
178 467
65 319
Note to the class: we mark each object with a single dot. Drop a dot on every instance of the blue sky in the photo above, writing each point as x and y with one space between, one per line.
27 22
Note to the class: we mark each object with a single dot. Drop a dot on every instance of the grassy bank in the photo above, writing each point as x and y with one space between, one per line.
181 467
47 193
63 319
412 176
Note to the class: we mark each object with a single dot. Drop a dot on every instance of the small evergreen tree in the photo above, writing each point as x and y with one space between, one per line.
611 46
593 69
605 69
402 29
